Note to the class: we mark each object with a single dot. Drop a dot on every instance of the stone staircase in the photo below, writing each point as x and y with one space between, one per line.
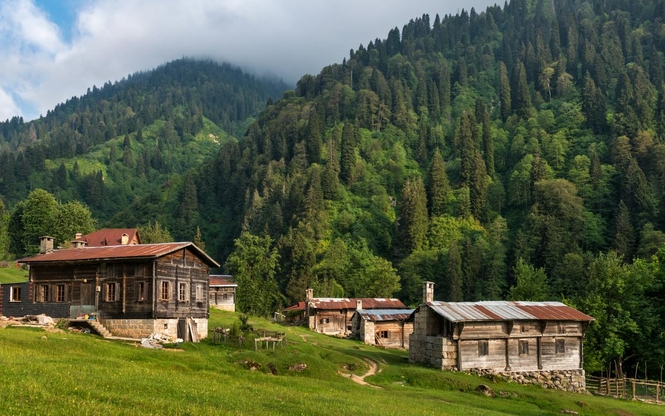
99 328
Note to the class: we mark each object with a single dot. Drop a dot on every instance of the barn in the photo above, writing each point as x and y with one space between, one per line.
132 290
538 339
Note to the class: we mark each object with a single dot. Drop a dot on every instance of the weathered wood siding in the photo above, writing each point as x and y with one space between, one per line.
570 358
471 357
182 267
129 301
391 334
333 321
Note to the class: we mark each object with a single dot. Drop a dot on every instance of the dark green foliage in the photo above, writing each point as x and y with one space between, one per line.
439 190
413 215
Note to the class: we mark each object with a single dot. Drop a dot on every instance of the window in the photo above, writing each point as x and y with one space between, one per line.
112 292
199 292
60 293
483 348
165 292
384 334
42 293
524 347
560 346
561 327
15 294
325 321
182 292
225 297
141 291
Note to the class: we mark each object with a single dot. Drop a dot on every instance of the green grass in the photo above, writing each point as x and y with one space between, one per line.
64 373
12 275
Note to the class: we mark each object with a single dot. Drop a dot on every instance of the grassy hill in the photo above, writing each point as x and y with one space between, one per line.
12 275
62 372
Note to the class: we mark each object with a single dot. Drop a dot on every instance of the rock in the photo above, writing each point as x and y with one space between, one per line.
298 367
486 390
569 412
44 320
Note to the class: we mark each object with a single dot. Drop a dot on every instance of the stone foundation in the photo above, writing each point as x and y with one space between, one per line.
142 328
566 380
437 352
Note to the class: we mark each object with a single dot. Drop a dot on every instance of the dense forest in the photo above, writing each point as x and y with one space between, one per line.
515 153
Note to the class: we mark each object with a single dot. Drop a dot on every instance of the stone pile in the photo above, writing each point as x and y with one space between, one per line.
566 380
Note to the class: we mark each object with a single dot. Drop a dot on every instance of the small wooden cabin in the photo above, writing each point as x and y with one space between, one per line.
222 292
383 327
109 237
500 336
132 290
332 316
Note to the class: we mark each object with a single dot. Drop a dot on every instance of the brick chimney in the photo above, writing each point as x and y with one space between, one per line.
45 244
428 292
309 294
359 304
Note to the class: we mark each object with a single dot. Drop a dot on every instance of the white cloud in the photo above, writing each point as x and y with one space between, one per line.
113 38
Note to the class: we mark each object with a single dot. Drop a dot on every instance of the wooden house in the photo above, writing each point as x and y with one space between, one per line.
132 290
222 292
500 336
332 316
383 327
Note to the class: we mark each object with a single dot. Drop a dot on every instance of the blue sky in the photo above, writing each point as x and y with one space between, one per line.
53 50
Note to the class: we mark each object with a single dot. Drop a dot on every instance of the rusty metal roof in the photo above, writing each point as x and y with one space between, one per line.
223 280
300 306
506 311
350 303
110 237
381 315
121 252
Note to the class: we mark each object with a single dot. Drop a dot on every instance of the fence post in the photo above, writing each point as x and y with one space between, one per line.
657 392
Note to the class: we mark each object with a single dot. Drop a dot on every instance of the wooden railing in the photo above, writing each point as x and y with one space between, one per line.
627 388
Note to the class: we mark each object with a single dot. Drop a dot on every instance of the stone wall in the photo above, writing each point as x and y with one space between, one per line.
142 328
566 380
437 352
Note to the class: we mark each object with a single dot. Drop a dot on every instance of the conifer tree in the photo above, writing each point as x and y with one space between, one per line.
454 275
413 220
313 138
439 186
348 154
522 98
624 236
487 141
504 92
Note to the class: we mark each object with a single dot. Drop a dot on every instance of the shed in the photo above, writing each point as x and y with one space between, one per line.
222 292
383 327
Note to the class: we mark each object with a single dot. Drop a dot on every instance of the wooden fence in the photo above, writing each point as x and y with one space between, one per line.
627 388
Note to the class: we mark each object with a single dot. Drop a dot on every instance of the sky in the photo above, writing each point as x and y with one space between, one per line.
52 50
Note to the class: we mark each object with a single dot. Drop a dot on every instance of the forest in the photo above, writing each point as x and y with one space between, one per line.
512 153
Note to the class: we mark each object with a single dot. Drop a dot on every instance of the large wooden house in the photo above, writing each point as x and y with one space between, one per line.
332 316
132 290
500 336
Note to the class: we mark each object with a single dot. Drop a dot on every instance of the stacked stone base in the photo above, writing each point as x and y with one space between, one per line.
566 380
143 328
434 351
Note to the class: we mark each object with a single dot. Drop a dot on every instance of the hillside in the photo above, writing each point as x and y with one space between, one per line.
62 371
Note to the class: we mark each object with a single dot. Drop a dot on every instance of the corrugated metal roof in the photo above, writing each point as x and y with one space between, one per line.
92 254
300 306
223 280
507 311
350 303
110 237
379 315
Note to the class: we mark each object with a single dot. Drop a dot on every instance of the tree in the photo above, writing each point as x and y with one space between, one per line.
348 154
454 275
187 213
439 190
37 220
504 92
253 263
313 138
522 97
530 283
71 218
152 233
4 234
413 215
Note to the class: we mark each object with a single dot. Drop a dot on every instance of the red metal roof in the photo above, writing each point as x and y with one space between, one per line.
300 306
104 253
507 311
110 237
350 303
222 280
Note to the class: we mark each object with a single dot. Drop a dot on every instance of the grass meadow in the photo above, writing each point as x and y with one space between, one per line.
64 373
12 275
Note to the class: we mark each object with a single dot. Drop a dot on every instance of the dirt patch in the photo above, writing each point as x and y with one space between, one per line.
373 369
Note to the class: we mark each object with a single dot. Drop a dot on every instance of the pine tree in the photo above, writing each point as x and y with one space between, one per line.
439 186
413 220
624 236
313 138
454 275
348 154
487 141
504 92
522 98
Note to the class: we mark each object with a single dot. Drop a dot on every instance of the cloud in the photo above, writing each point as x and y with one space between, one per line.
110 39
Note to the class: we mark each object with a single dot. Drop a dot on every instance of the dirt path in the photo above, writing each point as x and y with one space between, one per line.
373 368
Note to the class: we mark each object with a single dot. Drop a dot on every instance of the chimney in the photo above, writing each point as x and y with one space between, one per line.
124 239
428 292
78 244
78 236
359 304
309 294
45 244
